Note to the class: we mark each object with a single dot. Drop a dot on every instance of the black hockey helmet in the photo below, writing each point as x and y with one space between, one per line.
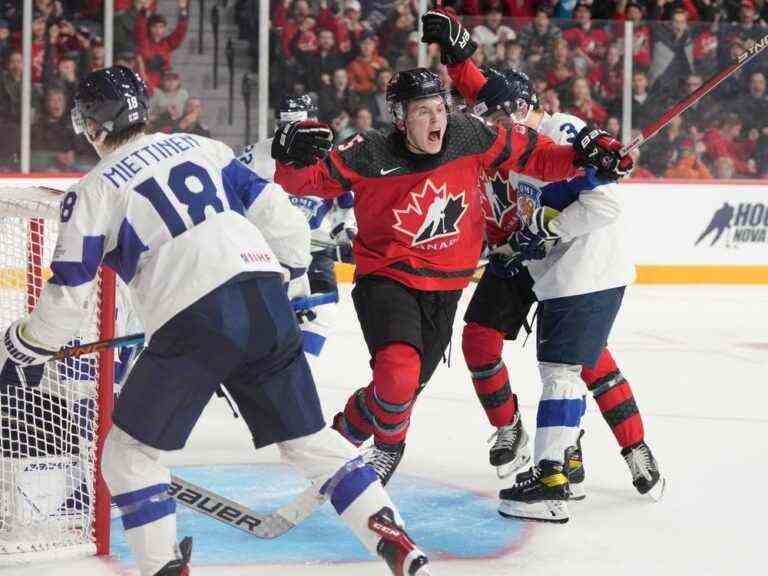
414 84
522 89
296 109
495 95
113 98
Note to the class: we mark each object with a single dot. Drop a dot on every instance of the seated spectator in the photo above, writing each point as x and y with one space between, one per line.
191 121
492 32
613 127
351 26
561 67
672 54
550 102
752 108
410 58
39 42
645 107
363 120
5 39
724 141
341 126
154 46
641 170
96 55
379 105
169 93
53 140
396 31
705 46
10 88
607 78
320 64
540 34
291 25
725 168
689 165
667 146
513 57
337 96
586 40
583 106
124 25
746 31
362 70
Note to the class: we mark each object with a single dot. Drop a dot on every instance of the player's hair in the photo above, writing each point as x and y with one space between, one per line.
113 141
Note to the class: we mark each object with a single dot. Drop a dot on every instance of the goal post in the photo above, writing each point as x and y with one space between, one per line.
53 501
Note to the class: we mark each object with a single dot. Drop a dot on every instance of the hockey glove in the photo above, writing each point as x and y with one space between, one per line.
302 143
443 28
505 266
595 147
343 235
531 241
21 363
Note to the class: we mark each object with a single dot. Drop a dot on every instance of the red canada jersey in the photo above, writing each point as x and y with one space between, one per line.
420 217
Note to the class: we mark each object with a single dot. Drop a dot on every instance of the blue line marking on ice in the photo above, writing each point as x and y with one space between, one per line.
444 520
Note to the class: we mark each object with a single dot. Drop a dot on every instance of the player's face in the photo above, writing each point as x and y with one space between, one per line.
425 123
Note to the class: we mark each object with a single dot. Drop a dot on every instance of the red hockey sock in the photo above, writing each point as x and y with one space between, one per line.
482 352
390 398
356 422
613 395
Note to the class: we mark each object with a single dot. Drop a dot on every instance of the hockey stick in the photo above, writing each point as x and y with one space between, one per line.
238 516
306 303
654 127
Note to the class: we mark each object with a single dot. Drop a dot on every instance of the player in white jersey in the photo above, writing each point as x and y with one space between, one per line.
199 239
578 269
332 227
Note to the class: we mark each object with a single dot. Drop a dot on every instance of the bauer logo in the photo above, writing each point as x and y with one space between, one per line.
431 218
736 225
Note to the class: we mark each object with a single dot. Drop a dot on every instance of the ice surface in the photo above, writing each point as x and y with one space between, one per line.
696 358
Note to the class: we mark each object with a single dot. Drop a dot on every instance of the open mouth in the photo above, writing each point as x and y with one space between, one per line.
434 136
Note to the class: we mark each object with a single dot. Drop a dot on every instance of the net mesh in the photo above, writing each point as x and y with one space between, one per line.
47 433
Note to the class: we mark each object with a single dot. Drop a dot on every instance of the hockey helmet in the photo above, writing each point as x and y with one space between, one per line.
495 95
296 109
524 97
415 84
113 98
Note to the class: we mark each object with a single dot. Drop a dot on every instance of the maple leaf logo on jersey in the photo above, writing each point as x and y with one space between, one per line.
431 214
500 195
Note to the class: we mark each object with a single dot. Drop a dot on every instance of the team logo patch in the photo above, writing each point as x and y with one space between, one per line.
432 214
528 199
502 201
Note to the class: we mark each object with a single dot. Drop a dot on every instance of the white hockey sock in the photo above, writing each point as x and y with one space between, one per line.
560 410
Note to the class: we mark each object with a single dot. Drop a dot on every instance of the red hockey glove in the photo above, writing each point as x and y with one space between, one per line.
302 143
443 28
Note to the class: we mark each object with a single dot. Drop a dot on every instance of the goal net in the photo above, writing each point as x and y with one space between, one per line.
50 492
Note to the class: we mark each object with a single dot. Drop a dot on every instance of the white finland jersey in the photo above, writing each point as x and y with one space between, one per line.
175 216
323 215
592 254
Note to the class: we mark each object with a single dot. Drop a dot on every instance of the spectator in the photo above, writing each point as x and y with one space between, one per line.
644 106
169 93
666 147
672 53
706 111
561 66
352 26
550 102
689 165
337 97
747 31
587 41
362 70
96 56
705 52
539 36
410 59
5 39
154 46
723 141
613 127
379 107
583 106
38 48
320 65
492 32
725 168
752 108
53 140
292 25
125 24
641 34
640 171
66 77
10 88
363 120
608 78
513 57
341 126
191 122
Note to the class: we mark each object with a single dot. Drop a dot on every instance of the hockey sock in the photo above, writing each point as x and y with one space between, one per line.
356 422
613 395
390 398
560 409
482 347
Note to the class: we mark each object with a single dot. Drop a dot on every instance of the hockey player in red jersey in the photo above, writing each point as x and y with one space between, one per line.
417 192
505 294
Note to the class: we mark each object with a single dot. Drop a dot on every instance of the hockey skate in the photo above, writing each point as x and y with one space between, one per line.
180 566
384 459
538 494
510 451
574 469
396 548
645 471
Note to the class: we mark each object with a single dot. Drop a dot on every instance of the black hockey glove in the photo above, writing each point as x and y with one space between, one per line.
505 266
443 28
531 241
595 147
302 143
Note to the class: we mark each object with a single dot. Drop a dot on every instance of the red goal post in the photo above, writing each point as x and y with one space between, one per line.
53 501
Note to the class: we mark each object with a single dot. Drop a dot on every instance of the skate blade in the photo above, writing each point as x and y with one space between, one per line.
577 492
506 470
657 492
555 511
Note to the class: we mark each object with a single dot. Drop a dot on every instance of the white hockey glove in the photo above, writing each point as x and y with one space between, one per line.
344 235
22 363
